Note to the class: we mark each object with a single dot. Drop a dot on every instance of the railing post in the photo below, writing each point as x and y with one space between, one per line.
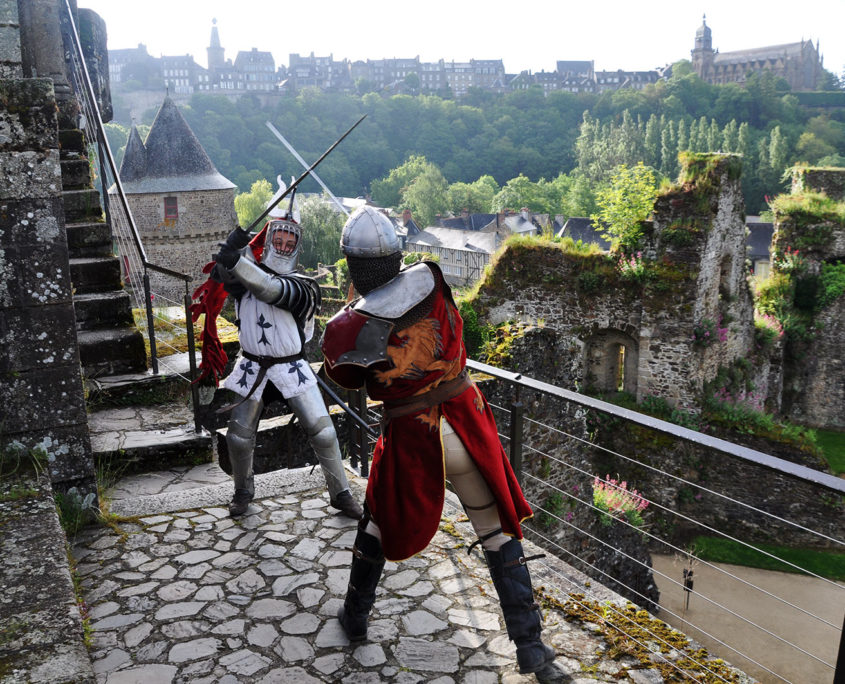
363 443
839 675
192 361
517 413
150 331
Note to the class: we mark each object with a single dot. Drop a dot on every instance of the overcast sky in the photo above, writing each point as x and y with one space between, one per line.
525 34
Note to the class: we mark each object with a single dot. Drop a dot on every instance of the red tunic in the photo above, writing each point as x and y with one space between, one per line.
406 487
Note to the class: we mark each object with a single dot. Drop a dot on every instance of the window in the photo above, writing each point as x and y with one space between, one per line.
171 209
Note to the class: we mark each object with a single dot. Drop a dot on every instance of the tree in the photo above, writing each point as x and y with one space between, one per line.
626 201
322 225
476 198
387 192
426 196
250 205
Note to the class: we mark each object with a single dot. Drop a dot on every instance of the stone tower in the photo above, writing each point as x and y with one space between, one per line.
181 204
216 58
702 53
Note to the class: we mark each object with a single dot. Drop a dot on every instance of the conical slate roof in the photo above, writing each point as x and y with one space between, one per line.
174 160
134 164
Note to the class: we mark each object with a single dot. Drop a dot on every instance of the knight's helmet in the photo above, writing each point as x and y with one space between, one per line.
371 248
282 245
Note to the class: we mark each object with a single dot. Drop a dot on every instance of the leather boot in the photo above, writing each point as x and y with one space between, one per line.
522 614
367 564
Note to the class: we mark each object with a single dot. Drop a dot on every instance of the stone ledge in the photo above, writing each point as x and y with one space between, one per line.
41 635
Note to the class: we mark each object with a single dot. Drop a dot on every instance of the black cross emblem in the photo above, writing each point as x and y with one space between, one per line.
246 367
263 325
300 376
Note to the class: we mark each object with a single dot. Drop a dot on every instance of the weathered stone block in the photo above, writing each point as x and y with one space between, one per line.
38 337
10 43
29 118
42 399
31 277
30 175
39 617
31 222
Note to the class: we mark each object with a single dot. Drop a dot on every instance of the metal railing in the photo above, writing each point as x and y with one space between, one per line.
128 245
749 617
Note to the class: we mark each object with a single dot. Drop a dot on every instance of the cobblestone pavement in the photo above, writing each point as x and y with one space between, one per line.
179 592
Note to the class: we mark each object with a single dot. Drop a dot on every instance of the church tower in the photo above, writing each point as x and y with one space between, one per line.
702 53
215 53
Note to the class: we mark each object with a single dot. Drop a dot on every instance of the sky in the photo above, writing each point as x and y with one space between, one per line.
525 34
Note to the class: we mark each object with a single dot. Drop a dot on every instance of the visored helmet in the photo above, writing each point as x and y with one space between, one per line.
282 245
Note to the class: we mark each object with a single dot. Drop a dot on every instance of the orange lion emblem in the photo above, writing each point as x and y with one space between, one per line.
418 353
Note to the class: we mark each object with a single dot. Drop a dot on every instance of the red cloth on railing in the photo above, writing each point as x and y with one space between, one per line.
209 299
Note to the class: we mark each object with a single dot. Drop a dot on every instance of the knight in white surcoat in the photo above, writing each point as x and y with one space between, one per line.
275 307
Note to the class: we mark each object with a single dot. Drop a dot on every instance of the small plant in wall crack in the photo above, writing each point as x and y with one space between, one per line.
615 500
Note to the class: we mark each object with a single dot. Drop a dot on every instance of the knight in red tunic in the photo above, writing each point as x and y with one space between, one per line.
403 340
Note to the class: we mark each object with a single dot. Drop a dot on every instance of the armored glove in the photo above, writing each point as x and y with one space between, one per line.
230 251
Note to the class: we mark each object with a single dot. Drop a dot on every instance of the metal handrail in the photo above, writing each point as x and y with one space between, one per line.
88 93
745 453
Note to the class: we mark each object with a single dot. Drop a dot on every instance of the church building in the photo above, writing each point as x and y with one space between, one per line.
800 64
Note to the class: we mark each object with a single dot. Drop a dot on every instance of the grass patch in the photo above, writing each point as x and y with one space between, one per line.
832 445
823 563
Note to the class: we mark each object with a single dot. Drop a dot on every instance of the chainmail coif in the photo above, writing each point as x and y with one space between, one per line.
369 273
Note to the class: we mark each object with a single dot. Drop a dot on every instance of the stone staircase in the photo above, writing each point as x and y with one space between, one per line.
108 341
139 422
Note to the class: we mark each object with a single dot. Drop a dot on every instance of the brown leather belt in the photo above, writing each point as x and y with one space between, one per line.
443 392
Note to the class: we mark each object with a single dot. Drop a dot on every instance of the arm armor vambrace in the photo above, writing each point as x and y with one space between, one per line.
300 296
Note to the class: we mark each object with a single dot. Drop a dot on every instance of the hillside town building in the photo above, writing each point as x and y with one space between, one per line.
256 71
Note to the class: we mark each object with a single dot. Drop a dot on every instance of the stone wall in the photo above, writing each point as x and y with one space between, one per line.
814 369
184 244
568 464
41 389
695 248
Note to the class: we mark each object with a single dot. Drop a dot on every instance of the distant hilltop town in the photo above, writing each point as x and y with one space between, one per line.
800 64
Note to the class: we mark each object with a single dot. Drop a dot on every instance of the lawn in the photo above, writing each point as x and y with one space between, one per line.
825 564
833 445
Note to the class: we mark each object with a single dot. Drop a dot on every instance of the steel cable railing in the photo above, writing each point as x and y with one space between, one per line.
536 484
127 241
526 452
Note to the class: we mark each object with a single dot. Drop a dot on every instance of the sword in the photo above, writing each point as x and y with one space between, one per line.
328 390
300 179
305 166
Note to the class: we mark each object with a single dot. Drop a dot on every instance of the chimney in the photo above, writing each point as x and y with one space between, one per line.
526 213
406 216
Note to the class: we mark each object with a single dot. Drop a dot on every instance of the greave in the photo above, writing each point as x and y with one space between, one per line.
516 596
367 565
240 441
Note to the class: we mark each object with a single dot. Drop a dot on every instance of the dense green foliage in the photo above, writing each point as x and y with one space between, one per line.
584 136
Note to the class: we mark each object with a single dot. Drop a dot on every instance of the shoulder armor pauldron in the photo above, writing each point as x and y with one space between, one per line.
400 295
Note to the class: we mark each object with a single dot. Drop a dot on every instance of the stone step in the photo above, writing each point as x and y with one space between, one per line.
135 389
82 205
89 239
109 351
103 310
71 143
76 174
145 439
95 274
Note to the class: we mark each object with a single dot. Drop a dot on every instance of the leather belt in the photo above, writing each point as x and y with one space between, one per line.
443 392
264 362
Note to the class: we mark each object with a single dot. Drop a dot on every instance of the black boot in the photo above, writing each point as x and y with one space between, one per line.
522 614
367 564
